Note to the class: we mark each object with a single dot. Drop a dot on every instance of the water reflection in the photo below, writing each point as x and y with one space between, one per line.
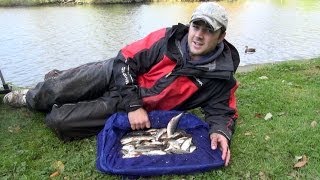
37 39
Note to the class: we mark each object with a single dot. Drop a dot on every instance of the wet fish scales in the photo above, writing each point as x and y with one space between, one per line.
186 144
157 141
172 125
129 139
176 151
192 148
160 133
150 147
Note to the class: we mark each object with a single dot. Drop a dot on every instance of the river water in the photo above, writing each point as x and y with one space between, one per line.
34 40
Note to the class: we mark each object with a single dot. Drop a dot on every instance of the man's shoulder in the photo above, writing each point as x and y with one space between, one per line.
234 54
177 31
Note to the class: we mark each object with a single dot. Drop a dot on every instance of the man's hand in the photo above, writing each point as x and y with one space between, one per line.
139 119
218 140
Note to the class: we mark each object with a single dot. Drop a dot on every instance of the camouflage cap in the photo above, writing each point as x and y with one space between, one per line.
212 13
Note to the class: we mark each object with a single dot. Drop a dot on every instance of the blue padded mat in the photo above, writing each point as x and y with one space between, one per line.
109 158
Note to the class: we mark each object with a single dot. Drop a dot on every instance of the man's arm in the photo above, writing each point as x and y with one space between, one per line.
218 140
133 60
221 114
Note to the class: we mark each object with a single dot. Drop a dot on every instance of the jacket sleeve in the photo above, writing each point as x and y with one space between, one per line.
221 112
133 60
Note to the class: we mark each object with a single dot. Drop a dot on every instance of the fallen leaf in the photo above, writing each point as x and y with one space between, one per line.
258 115
55 174
267 138
59 166
14 129
248 134
314 124
268 116
263 77
298 158
302 162
262 175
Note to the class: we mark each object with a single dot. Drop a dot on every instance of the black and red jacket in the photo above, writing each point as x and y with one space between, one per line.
151 73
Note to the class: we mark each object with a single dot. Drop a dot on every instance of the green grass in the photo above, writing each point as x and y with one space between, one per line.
261 149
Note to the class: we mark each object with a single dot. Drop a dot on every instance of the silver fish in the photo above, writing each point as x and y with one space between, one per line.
155 152
131 154
186 144
129 139
172 149
157 141
192 148
160 133
128 147
181 140
172 125
149 147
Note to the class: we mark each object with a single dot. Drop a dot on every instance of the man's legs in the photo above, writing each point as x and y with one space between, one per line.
85 82
82 119
77 100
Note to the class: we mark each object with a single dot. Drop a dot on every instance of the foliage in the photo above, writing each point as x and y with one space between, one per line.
261 149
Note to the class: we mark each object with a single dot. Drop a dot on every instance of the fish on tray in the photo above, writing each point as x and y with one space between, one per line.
157 141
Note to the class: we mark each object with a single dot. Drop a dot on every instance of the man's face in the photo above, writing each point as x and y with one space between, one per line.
202 39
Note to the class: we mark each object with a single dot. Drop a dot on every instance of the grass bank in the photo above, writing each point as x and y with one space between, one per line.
261 149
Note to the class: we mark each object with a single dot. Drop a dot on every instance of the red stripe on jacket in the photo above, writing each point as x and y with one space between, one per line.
233 105
233 100
130 50
176 93
165 66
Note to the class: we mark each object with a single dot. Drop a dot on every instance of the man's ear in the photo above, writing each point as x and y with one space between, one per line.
221 37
